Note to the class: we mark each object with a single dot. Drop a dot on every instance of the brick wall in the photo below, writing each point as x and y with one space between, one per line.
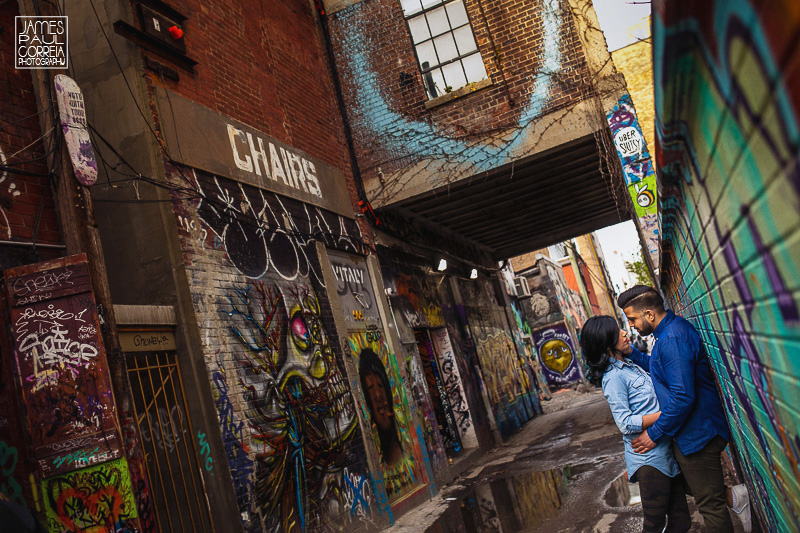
265 65
289 412
542 69
728 104
22 197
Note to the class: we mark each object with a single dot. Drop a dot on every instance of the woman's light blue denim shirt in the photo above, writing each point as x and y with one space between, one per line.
630 394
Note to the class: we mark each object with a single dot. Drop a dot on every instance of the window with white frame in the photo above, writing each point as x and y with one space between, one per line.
445 46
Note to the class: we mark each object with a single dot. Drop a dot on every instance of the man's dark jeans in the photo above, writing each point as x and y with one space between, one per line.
703 473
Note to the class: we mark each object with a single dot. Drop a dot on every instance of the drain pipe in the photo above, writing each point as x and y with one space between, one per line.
363 202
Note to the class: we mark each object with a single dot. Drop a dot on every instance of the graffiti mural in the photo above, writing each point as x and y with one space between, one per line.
95 500
263 233
731 214
62 368
237 454
427 432
387 410
445 418
638 169
454 387
297 404
556 351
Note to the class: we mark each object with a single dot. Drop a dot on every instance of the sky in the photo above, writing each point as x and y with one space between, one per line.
620 242
617 16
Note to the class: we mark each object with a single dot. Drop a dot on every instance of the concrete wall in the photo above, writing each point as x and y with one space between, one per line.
727 102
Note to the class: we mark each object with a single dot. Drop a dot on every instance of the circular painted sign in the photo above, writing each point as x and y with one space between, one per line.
72 112
629 142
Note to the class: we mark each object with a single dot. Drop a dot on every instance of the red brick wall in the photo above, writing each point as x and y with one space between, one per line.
376 29
265 64
21 196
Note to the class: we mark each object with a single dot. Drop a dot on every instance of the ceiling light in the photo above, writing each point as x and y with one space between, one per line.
442 265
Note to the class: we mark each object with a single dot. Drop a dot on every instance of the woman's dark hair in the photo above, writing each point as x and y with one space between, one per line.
599 335
369 364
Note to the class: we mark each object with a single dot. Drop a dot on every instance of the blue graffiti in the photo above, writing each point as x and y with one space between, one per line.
232 435
421 139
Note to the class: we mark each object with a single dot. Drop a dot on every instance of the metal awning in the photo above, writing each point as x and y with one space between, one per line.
536 202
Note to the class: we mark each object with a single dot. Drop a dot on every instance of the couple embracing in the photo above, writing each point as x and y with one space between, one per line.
667 407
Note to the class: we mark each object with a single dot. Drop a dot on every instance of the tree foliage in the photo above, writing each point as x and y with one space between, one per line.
638 268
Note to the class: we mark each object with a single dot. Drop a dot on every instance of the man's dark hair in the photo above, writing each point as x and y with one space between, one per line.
641 297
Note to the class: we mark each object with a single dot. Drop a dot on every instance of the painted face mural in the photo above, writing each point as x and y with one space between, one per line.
297 402
378 394
556 355
387 410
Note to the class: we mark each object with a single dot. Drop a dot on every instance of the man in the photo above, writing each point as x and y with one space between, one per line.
691 411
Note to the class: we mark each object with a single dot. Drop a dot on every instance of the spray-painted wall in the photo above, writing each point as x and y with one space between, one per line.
502 367
285 408
534 64
441 373
639 172
727 102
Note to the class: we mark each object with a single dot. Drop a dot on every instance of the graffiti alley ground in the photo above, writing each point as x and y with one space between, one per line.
562 472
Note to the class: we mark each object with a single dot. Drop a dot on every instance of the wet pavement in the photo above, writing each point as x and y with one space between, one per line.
563 472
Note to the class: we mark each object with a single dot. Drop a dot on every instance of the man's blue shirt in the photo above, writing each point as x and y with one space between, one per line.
691 411
630 395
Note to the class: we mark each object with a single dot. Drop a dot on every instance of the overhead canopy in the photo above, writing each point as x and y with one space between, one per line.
545 199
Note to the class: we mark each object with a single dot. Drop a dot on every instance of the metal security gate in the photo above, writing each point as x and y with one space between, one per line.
168 439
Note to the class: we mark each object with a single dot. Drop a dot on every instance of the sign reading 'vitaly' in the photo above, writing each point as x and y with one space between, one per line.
202 138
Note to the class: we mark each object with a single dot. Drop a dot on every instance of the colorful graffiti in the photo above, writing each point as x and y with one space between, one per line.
387 410
416 299
556 351
296 401
95 500
454 386
426 431
638 169
727 104
443 410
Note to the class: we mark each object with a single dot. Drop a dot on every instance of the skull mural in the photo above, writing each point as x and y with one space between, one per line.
297 403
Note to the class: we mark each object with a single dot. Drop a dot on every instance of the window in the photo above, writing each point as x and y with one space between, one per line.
446 50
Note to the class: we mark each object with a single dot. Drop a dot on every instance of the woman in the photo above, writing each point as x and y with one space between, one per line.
630 394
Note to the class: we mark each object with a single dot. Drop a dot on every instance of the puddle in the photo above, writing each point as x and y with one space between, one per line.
621 493
507 504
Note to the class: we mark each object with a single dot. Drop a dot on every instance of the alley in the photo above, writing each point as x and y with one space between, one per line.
334 265
560 473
